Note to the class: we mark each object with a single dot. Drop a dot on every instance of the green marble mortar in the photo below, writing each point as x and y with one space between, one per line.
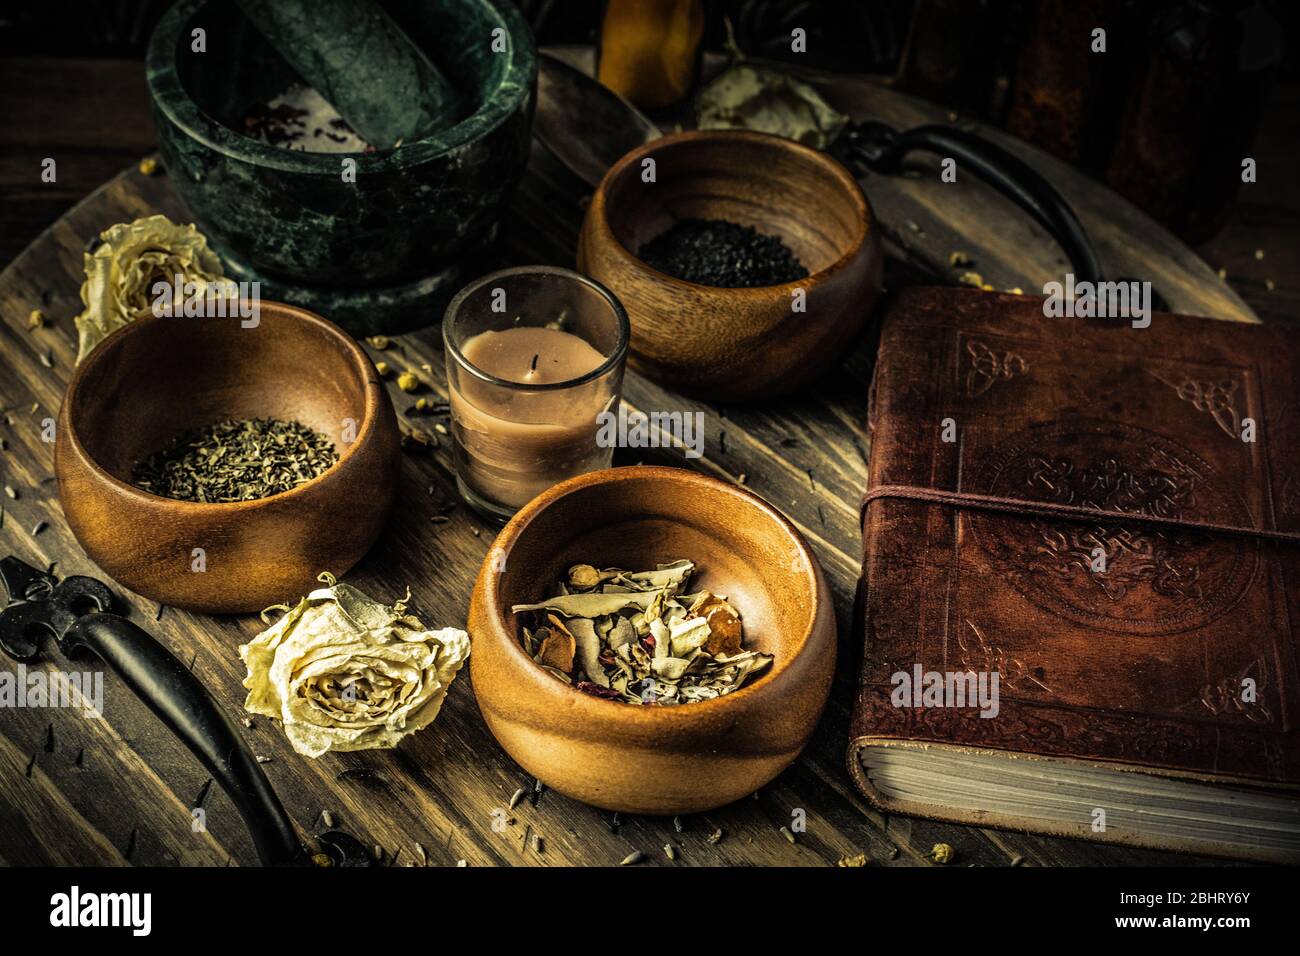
381 254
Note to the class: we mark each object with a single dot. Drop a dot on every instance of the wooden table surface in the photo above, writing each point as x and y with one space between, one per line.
122 789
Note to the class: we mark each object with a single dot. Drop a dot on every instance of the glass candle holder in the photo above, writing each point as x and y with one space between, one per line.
534 356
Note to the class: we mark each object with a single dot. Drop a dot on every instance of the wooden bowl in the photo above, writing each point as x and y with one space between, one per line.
160 376
644 758
731 344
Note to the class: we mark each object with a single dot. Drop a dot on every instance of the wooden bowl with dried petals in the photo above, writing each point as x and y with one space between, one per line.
652 758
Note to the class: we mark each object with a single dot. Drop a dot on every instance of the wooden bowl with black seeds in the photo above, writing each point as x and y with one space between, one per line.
748 263
161 379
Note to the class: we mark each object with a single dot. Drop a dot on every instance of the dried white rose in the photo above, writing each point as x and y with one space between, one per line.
131 258
345 672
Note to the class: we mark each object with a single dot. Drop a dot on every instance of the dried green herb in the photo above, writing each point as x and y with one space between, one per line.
236 461
635 637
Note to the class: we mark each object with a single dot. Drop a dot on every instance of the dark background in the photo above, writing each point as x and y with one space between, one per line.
1209 80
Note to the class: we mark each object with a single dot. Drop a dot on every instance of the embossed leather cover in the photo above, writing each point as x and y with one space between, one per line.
1139 666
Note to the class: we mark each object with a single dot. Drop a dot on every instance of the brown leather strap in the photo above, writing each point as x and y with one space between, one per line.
1028 508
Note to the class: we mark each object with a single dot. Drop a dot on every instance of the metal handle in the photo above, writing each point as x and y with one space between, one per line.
173 693
882 148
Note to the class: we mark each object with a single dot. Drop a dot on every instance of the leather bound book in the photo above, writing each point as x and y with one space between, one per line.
1081 576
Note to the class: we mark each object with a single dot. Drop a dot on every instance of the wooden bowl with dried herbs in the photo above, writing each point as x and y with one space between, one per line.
748 263
651 640
218 464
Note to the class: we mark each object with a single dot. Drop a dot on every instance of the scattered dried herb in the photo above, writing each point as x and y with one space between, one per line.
716 252
636 637
942 853
414 440
236 461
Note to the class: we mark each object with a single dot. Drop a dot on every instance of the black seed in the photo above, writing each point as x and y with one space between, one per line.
715 252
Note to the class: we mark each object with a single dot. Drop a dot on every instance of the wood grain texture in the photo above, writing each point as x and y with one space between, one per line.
923 220
659 760
163 376
736 344
805 455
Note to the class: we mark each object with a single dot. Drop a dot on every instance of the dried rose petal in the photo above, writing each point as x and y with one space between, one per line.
595 690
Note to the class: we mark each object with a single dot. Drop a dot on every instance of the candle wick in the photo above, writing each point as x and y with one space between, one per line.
535 358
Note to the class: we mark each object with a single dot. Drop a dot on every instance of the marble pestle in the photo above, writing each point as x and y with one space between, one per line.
361 61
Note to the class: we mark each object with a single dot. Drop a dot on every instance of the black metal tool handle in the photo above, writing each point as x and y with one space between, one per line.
882 148
173 693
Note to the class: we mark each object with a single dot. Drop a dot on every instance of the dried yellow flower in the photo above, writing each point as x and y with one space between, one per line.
36 319
148 166
378 342
342 671
408 381
859 860
123 269
381 368
942 853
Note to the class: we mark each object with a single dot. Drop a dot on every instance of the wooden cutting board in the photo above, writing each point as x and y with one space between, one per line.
122 789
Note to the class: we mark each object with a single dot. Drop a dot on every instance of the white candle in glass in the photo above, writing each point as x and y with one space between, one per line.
525 398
